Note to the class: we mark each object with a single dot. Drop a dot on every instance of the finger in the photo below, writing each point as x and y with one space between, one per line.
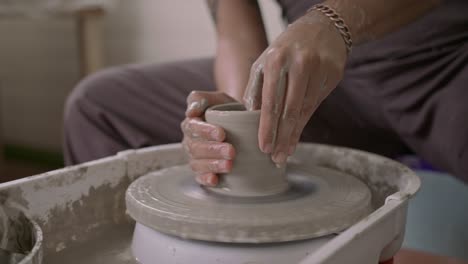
296 134
313 97
322 88
253 93
207 179
199 101
210 150
196 128
298 77
185 145
273 90
202 166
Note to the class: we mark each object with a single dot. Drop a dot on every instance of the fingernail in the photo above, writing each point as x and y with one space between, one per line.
201 179
280 165
291 150
203 103
268 148
220 166
215 134
197 106
226 152
193 106
212 180
280 158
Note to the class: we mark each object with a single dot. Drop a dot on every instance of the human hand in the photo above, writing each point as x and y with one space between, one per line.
290 80
203 142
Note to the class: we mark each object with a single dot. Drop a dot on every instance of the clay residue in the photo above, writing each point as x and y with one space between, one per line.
111 247
20 238
15 195
85 219
76 205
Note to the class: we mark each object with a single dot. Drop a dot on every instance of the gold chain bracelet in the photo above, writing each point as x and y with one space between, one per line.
338 22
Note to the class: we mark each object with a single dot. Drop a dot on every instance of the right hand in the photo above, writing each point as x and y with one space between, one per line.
203 142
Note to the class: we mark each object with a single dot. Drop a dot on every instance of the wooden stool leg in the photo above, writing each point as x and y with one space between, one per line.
2 148
90 27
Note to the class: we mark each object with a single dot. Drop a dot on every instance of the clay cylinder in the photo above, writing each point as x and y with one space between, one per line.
253 172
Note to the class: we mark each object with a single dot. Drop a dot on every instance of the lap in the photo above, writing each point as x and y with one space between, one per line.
351 117
130 107
146 103
426 103
416 104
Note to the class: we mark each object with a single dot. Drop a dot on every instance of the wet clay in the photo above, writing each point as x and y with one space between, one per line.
257 202
253 173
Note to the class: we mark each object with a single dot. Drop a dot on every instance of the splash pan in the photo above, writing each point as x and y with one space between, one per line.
81 211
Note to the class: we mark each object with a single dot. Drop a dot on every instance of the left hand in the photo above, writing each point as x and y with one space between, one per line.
203 142
290 80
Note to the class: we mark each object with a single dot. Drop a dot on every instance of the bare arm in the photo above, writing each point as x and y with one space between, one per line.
311 55
241 38
371 19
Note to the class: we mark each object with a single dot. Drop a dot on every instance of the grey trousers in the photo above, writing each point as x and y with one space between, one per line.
422 110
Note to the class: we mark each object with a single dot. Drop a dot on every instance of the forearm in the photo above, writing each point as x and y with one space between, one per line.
371 19
241 38
232 67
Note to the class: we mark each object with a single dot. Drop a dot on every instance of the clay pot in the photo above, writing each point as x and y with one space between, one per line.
253 173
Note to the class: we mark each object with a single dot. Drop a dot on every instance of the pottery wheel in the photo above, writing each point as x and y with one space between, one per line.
319 201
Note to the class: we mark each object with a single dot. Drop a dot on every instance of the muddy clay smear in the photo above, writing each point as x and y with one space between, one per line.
113 247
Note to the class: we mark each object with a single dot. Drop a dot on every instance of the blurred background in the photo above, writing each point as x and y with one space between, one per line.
46 46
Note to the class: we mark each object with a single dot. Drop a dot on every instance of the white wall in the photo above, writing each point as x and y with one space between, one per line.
37 69
39 63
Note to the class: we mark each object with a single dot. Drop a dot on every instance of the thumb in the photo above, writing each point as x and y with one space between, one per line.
253 92
199 101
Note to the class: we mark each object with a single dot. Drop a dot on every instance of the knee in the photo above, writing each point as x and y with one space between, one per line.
456 157
92 89
457 146
463 164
